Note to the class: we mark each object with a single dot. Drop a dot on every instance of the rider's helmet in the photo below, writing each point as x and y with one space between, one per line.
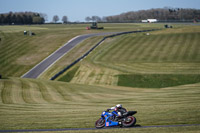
118 106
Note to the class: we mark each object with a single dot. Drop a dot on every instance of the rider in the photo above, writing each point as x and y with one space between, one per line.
119 109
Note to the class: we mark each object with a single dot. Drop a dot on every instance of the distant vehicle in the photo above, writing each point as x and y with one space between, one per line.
109 119
150 21
94 26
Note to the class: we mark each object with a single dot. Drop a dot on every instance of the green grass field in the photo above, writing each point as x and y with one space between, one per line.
156 75
172 51
19 53
34 104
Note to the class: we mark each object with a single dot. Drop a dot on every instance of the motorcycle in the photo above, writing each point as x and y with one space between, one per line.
110 119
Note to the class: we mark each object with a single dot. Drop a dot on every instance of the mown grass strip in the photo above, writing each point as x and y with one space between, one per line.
153 48
129 52
6 92
45 92
196 49
26 92
17 92
185 44
62 91
36 93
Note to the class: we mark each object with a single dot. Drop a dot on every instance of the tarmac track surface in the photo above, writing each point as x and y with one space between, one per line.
79 129
51 59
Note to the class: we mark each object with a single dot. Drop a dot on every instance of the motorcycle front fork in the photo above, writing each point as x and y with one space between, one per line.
120 124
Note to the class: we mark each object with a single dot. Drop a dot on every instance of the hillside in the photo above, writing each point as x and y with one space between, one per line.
40 104
169 54
122 70
19 53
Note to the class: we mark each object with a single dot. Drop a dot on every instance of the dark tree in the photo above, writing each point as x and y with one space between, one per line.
96 19
65 19
44 15
55 18
2 19
88 19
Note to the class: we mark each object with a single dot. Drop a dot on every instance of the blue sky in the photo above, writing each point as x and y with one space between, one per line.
77 10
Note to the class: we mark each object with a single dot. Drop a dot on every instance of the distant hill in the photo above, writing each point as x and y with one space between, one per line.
161 14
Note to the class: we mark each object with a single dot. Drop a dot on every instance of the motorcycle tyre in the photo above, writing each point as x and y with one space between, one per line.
130 124
99 126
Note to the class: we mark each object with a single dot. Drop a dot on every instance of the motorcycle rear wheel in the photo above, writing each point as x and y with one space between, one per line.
129 122
100 123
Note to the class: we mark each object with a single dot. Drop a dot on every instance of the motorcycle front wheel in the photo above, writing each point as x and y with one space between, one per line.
100 123
129 121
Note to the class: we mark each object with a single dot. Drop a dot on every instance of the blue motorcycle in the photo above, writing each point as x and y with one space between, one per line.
110 119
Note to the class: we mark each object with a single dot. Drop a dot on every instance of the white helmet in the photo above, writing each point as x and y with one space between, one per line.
118 106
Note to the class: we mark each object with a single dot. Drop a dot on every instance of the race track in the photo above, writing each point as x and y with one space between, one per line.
79 129
50 60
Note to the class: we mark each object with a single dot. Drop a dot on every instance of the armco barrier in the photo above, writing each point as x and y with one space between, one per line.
83 56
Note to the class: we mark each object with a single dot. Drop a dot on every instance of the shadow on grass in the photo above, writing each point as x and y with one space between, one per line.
1 77
68 77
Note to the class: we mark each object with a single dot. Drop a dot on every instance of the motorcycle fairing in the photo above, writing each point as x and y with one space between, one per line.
107 116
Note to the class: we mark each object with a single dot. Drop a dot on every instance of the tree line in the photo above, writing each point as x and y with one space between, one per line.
22 18
27 18
161 14
56 19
